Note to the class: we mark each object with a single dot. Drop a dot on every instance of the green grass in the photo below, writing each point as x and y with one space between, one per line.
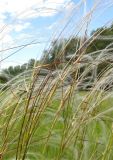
40 119
69 136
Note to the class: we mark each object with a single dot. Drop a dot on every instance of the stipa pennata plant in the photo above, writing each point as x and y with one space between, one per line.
48 114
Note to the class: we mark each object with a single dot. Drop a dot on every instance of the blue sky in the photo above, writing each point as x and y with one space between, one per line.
41 21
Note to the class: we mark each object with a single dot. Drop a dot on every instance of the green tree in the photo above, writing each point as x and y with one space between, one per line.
103 40
12 71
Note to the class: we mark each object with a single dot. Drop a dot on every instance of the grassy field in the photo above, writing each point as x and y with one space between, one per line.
65 112
80 129
44 118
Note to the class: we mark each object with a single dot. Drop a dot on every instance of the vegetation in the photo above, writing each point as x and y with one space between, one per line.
12 71
48 117
67 47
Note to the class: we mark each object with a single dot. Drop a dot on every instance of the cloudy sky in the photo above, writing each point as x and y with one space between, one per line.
37 22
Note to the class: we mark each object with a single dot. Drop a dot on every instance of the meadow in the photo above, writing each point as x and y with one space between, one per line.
50 121
67 112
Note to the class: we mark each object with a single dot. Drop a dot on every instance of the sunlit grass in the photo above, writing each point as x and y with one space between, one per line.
59 130
48 117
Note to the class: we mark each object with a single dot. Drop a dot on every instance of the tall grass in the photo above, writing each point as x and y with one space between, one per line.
50 118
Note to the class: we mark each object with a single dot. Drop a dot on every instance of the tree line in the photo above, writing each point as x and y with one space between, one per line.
61 51
12 71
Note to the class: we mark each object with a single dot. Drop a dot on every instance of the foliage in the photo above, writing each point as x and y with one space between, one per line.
104 40
44 117
41 118
12 71
63 50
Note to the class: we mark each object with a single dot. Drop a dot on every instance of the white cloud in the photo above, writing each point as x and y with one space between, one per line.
13 11
2 17
30 8
7 39
21 26
16 15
